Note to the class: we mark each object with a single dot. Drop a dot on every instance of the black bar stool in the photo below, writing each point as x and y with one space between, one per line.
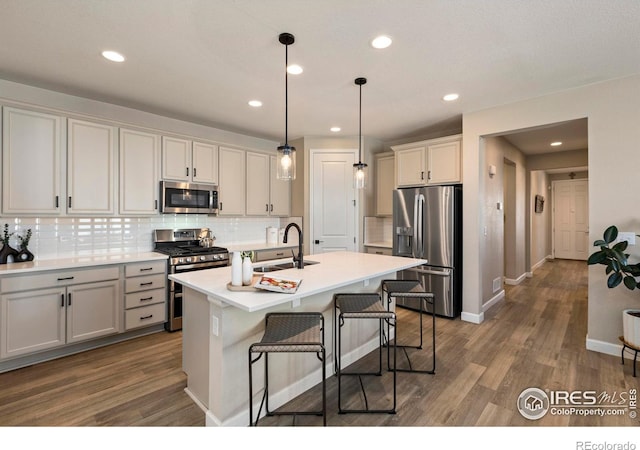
360 306
293 332
412 289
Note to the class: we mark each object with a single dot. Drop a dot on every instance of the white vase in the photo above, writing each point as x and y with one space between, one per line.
247 271
631 327
236 269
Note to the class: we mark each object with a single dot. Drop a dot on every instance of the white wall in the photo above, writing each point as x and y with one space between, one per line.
613 111
540 222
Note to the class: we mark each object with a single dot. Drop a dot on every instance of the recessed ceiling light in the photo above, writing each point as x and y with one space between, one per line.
113 56
450 97
294 69
556 144
255 103
335 129
381 42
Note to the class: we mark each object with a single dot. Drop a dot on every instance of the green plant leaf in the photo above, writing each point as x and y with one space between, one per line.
620 257
614 280
614 265
630 282
597 258
599 243
621 246
610 234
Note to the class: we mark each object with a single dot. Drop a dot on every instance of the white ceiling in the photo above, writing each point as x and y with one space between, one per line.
203 60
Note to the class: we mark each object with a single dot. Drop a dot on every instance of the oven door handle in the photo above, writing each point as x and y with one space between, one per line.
186 267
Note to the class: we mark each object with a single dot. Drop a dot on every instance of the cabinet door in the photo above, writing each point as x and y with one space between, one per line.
32 168
176 159
32 321
91 168
139 172
385 172
231 192
443 162
410 166
205 163
279 192
93 310
257 184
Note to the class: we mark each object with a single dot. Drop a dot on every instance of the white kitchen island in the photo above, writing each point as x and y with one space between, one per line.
219 325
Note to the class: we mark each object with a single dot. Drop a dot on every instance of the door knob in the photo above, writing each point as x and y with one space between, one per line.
317 241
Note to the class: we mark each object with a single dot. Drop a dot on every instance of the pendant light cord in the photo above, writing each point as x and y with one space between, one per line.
286 95
360 130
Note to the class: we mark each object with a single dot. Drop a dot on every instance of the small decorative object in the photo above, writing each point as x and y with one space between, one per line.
236 269
539 203
7 254
247 271
24 254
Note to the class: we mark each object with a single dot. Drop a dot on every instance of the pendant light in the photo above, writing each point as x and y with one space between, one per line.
360 169
286 163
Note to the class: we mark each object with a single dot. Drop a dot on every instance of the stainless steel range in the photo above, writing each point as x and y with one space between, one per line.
189 249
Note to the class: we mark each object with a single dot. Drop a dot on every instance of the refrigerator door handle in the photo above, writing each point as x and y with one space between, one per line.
416 240
440 273
420 227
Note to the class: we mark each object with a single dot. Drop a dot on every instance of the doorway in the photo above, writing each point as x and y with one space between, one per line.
570 219
333 206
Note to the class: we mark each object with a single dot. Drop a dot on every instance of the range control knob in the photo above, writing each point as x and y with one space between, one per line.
203 258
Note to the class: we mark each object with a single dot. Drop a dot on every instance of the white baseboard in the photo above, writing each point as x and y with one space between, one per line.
493 300
515 282
607 348
472 318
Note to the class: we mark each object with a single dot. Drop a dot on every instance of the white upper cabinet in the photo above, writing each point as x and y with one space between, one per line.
279 192
91 168
266 195
32 169
186 160
257 184
232 188
176 159
205 162
436 161
139 172
385 184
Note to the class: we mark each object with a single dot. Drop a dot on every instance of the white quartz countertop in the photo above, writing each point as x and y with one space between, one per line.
73 262
255 246
334 270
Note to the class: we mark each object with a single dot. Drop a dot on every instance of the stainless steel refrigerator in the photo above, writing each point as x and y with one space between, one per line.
427 224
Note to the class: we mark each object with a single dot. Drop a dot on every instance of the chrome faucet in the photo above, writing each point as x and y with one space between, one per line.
298 259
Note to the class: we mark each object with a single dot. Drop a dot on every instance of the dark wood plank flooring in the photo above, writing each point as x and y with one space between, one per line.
534 338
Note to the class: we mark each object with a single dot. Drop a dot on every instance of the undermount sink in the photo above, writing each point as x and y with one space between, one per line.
283 266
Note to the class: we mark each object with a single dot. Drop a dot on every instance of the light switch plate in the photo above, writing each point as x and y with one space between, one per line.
627 236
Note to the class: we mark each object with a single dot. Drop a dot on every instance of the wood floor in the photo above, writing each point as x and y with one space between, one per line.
534 338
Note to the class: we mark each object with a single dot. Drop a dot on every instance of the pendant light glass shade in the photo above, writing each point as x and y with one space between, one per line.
286 161
360 168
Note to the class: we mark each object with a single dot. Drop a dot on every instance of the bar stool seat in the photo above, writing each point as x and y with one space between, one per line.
360 306
292 332
412 289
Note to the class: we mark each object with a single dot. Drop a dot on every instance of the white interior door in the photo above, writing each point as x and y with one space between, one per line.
333 205
571 219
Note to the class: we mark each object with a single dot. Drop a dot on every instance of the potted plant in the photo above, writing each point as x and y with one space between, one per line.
612 255
24 254
7 254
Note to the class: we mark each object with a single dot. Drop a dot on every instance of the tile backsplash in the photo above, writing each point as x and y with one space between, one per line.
54 237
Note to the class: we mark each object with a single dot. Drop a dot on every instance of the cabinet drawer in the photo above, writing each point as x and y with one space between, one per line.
145 283
58 278
145 298
267 255
145 268
145 316
380 250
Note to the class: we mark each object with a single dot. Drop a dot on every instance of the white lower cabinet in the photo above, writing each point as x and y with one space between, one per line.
145 294
52 309
378 250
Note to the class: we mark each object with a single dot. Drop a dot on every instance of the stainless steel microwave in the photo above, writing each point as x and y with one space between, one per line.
188 198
